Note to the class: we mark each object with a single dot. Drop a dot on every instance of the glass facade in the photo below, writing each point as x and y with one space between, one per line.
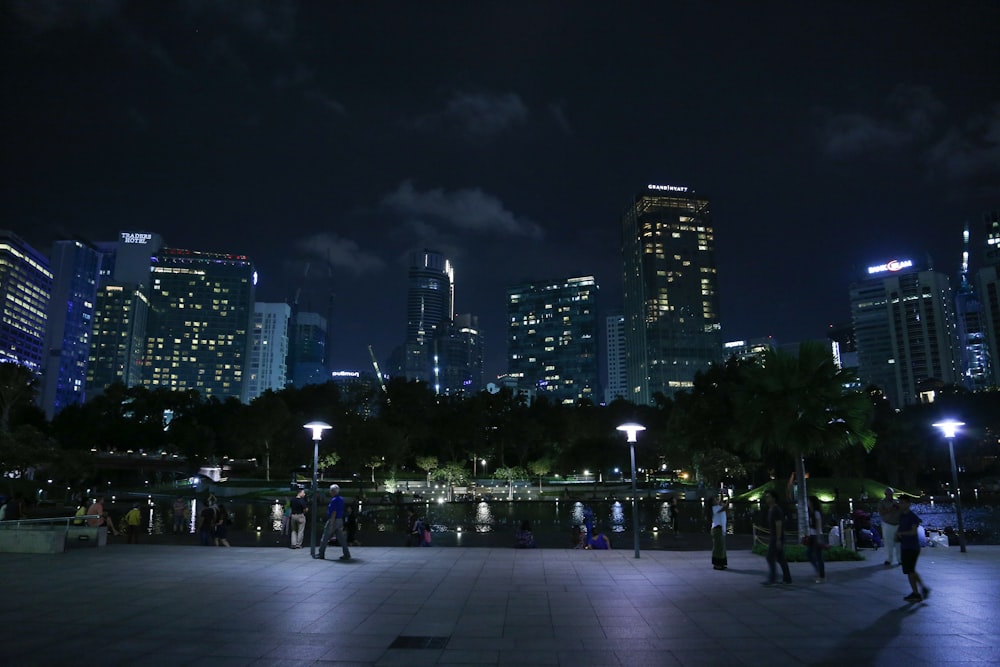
552 338
269 351
672 327
430 304
25 290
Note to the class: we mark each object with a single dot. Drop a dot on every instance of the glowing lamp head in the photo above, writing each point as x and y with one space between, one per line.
317 429
632 430
949 427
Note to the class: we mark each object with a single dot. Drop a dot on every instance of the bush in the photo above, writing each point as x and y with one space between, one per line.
796 553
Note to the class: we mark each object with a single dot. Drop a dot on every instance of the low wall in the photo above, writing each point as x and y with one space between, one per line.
33 539
85 536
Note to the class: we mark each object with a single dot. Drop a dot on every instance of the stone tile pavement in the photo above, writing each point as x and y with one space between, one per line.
155 605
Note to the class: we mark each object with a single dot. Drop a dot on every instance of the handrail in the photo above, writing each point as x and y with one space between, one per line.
13 523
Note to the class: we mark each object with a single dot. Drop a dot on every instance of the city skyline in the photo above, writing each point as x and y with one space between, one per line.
328 143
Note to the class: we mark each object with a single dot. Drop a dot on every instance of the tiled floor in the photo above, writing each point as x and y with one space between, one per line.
168 605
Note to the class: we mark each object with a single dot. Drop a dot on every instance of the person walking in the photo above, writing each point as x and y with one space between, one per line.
297 518
909 550
334 524
719 509
132 520
814 542
776 545
888 510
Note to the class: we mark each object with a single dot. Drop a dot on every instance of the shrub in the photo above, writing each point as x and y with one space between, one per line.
796 553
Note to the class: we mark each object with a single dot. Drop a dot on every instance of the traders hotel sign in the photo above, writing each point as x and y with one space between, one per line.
136 238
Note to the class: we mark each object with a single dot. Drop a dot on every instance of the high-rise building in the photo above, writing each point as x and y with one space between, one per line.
307 349
25 290
672 327
614 344
121 312
749 350
70 323
201 314
269 348
974 357
430 304
904 325
552 338
458 357
988 291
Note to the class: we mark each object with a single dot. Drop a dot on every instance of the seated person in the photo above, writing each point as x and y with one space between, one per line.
599 541
523 539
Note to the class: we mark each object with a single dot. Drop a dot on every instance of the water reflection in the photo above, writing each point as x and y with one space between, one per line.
617 518
484 518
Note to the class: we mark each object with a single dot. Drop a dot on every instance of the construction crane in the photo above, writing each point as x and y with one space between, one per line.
378 374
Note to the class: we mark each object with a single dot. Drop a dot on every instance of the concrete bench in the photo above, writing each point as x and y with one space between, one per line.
40 539
86 536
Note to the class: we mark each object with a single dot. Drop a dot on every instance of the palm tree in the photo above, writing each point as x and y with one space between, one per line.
798 406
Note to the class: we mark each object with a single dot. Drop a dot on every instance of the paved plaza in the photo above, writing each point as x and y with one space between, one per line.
179 605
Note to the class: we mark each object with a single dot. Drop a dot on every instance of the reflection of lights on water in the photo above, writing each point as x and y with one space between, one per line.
664 514
577 513
617 518
484 518
277 516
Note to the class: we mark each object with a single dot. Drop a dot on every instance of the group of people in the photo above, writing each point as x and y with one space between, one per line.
900 526
213 524
338 510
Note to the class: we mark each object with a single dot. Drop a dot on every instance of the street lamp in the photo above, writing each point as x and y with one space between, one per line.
317 429
949 428
632 430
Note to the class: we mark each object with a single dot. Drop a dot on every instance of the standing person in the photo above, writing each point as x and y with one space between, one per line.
888 510
351 526
222 522
334 524
206 526
132 520
674 514
909 550
719 509
776 546
814 543
179 508
297 518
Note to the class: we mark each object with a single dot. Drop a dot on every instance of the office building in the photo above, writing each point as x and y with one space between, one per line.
307 349
904 324
988 291
749 350
430 304
552 338
75 268
974 357
121 311
201 314
25 290
614 345
458 357
269 348
672 327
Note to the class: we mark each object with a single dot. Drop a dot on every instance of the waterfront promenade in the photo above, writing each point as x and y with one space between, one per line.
158 604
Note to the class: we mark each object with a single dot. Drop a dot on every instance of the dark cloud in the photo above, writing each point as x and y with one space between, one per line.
467 210
969 152
478 115
339 253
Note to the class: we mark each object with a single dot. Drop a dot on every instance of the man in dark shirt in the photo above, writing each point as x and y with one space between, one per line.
909 550
334 524
776 546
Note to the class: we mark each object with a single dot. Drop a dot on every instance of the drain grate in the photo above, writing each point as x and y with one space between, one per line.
404 641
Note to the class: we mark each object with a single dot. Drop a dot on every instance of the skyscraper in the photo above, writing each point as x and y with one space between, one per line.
973 353
614 344
121 311
552 338
672 325
25 290
904 324
269 348
307 349
458 357
70 323
988 289
430 303
201 313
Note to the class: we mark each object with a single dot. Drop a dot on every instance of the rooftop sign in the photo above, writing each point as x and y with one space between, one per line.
136 238
668 188
892 267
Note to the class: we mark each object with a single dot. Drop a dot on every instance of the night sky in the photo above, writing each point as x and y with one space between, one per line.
326 140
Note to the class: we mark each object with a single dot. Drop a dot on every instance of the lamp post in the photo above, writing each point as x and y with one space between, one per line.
317 429
632 430
949 428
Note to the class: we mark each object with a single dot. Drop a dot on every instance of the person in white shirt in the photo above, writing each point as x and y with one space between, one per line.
719 509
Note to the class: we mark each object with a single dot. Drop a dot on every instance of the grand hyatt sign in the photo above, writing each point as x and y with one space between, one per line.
136 238
890 267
